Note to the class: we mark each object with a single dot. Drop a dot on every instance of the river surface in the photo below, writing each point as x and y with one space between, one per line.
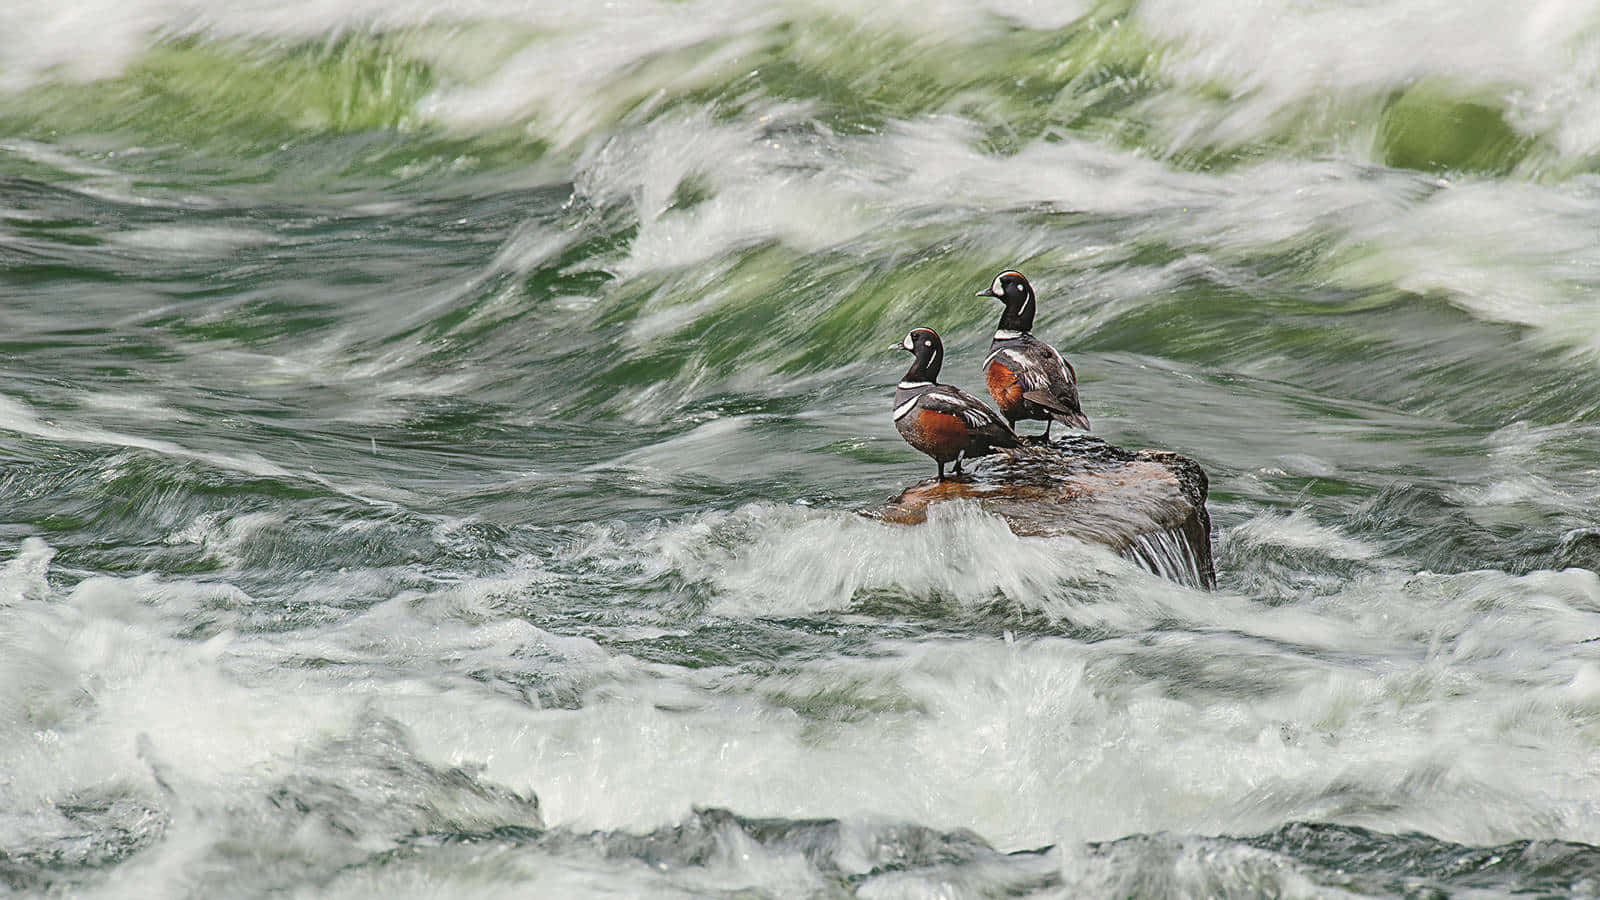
433 439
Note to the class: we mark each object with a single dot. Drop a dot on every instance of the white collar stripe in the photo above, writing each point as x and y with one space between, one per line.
1007 335
907 385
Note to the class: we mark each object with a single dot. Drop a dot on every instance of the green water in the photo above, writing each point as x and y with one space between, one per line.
432 446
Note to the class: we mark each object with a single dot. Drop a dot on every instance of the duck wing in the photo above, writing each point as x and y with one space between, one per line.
986 426
1049 381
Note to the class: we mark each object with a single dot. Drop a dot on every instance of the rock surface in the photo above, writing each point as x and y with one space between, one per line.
1148 505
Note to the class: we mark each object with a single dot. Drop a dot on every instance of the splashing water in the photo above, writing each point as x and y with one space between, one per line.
1168 554
433 444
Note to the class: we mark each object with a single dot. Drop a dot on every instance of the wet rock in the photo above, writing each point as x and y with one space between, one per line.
1147 505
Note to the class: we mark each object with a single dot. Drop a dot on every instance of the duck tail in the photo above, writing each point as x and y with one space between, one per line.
1076 420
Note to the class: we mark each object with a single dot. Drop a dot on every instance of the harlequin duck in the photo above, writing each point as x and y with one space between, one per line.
1027 377
944 422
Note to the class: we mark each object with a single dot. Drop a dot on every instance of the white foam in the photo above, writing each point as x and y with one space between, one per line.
223 537
148 405
1297 531
187 241
939 157
1503 251
573 66
957 730
97 672
1405 701
761 188
24 574
1280 52
795 561
569 78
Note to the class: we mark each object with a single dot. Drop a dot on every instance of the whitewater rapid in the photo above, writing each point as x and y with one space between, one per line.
433 444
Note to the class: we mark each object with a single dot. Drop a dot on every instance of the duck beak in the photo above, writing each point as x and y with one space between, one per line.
987 293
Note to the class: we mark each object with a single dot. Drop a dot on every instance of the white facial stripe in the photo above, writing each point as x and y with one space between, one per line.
909 343
901 410
995 288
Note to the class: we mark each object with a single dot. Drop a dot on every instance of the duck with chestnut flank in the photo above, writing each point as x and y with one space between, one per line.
1027 378
942 421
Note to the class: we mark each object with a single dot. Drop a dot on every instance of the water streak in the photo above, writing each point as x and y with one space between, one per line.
432 444
1168 554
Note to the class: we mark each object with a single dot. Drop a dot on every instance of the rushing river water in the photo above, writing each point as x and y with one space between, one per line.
434 437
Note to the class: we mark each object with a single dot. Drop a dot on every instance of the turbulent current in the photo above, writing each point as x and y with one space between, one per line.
434 438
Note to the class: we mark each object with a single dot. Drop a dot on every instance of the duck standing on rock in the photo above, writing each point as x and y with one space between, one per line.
1027 377
942 421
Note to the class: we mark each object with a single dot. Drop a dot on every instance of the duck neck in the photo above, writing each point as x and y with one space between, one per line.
1018 318
925 368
